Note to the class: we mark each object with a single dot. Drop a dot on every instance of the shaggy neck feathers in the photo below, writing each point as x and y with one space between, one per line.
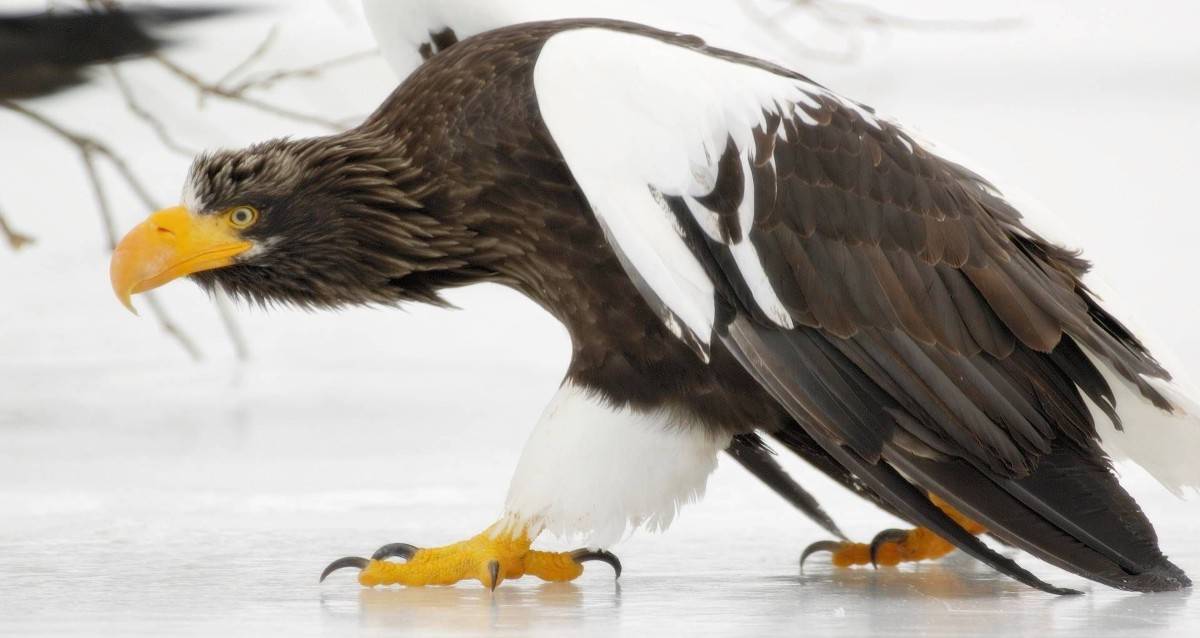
348 219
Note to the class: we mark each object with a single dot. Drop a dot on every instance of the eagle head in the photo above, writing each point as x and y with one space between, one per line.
321 222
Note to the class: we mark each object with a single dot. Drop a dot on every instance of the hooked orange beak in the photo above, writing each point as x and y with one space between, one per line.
170 244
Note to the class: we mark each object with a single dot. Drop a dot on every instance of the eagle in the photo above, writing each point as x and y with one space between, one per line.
733 249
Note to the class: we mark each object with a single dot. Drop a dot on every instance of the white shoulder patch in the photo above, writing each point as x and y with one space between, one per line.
636 117
594 470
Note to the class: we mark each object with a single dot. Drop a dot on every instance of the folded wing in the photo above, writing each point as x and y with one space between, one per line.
891 300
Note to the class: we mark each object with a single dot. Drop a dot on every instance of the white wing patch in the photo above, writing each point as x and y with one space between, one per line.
635 117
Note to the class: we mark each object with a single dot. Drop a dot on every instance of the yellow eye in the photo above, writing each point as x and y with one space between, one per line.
242 216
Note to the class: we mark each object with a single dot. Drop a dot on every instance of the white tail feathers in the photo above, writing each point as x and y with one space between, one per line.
1165 444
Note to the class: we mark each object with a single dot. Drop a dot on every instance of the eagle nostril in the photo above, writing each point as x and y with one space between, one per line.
165 231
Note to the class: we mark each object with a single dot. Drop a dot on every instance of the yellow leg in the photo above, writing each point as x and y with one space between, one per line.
892 547
496 555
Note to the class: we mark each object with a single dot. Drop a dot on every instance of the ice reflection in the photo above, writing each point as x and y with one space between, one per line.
513 608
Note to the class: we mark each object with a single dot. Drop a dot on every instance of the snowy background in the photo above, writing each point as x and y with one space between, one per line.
142 492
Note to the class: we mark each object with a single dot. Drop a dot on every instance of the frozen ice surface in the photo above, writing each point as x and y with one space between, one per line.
211 517
144 494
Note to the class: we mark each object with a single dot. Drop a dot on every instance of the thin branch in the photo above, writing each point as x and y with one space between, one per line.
106 216
268 80
225 311
91 145
775 25
15 240
89 148
168 326
857 14
155 124
265 45
219 89
852 18
207 89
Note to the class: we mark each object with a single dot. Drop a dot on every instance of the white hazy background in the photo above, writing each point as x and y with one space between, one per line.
144 493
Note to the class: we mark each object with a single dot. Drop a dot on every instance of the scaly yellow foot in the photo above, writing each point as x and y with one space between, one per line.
491 557
894 546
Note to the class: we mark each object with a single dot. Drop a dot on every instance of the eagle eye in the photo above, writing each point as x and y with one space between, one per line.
242 216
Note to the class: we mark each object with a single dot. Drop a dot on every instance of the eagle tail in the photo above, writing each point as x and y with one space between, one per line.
1162 442
1070 511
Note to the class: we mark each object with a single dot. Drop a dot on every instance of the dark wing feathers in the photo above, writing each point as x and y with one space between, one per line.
752 453
938 342
790 375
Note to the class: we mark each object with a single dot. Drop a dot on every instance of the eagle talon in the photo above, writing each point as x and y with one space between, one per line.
395 550
584 555
896 536
349 561
494 573
819 546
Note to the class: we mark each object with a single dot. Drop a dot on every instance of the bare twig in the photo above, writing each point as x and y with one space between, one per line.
265 45
268 80
89 148
220 88
858 14
225 312
90 145
106 216
168 326
16 240
155 124
851 19
209 89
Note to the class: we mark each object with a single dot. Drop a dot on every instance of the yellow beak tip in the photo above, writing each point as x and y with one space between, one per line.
127 301
170 244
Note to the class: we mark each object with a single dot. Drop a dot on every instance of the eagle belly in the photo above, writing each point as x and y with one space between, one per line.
596 470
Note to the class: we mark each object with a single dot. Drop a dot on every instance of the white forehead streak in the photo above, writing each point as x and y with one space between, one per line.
189 199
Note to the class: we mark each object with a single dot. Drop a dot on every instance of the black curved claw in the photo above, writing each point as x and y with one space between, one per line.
886 536
494 572
584 555
819 546
394 550
349 561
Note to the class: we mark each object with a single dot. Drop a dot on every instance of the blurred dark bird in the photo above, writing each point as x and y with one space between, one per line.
44 53
733 248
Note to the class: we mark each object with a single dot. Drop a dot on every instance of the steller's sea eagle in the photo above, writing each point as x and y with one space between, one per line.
733 248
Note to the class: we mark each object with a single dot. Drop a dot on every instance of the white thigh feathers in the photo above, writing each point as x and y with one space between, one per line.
596 471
